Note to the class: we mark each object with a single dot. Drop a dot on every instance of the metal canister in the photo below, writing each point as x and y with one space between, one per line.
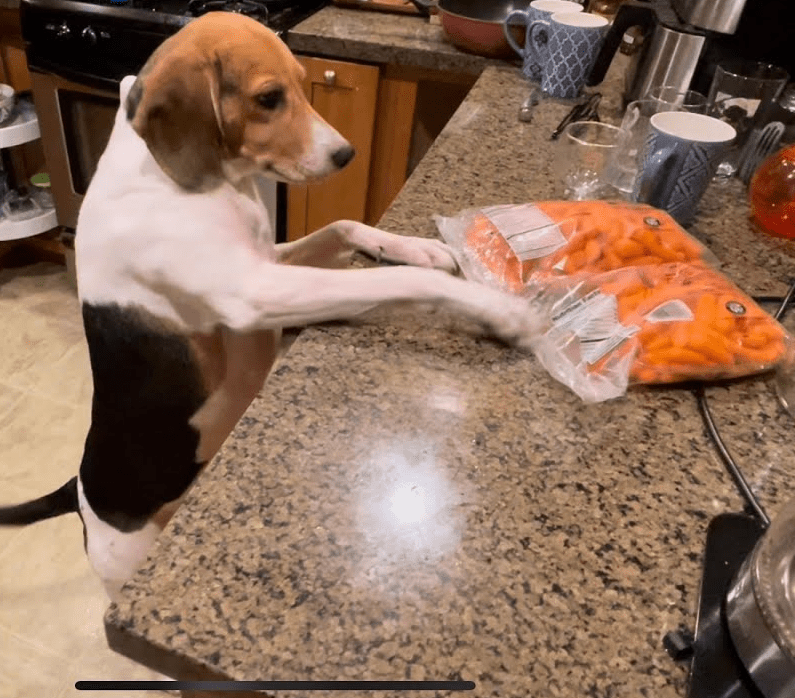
760 609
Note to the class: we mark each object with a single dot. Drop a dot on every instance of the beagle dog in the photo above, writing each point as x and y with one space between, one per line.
184 290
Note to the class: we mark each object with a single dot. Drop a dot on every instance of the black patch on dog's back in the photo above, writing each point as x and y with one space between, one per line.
140 450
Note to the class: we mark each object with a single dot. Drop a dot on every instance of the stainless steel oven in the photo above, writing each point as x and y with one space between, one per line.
75 122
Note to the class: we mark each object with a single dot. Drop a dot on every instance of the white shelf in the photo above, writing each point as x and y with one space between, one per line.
16 230
24 128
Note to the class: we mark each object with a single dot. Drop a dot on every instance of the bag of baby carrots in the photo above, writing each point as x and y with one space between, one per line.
508 245
654 324
634 297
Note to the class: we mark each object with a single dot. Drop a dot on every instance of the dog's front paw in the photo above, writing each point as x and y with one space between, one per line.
424 252
517 321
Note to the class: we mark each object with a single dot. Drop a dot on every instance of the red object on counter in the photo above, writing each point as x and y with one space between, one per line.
771 194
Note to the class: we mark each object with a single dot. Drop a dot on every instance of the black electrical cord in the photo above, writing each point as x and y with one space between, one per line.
753 504
741 483
785 302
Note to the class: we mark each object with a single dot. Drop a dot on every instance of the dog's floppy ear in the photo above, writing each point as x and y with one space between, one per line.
173 106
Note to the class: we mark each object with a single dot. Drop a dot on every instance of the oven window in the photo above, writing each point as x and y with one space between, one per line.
87 123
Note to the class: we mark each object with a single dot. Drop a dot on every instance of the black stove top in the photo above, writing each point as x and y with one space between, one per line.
97 42
280 15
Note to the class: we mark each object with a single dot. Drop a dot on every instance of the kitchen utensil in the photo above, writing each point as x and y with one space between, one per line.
476 26
738 91
526 110
771 195
539 9
679 160
626 159
760 608
568 54
761 143
580 159
584 111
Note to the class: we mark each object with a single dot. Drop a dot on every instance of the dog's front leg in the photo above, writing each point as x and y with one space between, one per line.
333 246
247 291
293 296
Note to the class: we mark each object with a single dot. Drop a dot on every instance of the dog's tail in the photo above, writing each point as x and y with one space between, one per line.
62 501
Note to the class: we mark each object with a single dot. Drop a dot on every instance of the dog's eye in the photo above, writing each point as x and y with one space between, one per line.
271 99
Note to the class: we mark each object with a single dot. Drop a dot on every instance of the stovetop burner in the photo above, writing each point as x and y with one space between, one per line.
259 9
264 11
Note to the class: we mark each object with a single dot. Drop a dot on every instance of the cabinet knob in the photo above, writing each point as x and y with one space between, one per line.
330 77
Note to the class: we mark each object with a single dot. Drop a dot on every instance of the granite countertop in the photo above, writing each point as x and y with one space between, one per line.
383 37
406 500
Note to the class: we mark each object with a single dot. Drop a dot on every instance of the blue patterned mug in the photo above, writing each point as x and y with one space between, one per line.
538 10
570 51
682 152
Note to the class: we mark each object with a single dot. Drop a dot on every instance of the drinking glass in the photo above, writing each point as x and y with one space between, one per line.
624 160
685 100
581 158
739 90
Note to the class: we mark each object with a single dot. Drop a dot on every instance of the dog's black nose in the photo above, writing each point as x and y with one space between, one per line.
343 156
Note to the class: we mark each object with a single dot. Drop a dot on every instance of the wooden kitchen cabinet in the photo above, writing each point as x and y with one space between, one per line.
344 94
391 115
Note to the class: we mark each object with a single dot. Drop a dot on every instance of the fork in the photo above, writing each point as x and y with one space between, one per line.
761 143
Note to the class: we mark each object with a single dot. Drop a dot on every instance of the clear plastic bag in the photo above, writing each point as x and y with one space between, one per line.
507 245
635 299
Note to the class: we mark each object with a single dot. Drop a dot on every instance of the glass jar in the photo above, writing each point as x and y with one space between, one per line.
41 189
771 194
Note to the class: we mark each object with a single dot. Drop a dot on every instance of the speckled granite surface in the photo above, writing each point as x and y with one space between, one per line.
382 37
406 500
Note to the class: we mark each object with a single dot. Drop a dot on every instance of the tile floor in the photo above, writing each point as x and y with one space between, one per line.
51 605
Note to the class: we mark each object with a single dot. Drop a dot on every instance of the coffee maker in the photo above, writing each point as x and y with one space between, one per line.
684 40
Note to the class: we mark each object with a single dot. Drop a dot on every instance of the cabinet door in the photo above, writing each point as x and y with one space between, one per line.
344 94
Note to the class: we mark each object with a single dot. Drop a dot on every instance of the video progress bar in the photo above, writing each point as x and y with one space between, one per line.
275 685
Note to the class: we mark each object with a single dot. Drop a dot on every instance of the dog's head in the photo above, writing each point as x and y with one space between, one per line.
222 99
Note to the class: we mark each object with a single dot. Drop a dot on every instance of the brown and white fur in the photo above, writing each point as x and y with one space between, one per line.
183 288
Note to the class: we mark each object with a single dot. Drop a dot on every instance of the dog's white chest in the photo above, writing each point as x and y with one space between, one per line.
143 242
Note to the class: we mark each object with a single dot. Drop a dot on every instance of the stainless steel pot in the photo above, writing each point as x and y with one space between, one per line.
760 609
